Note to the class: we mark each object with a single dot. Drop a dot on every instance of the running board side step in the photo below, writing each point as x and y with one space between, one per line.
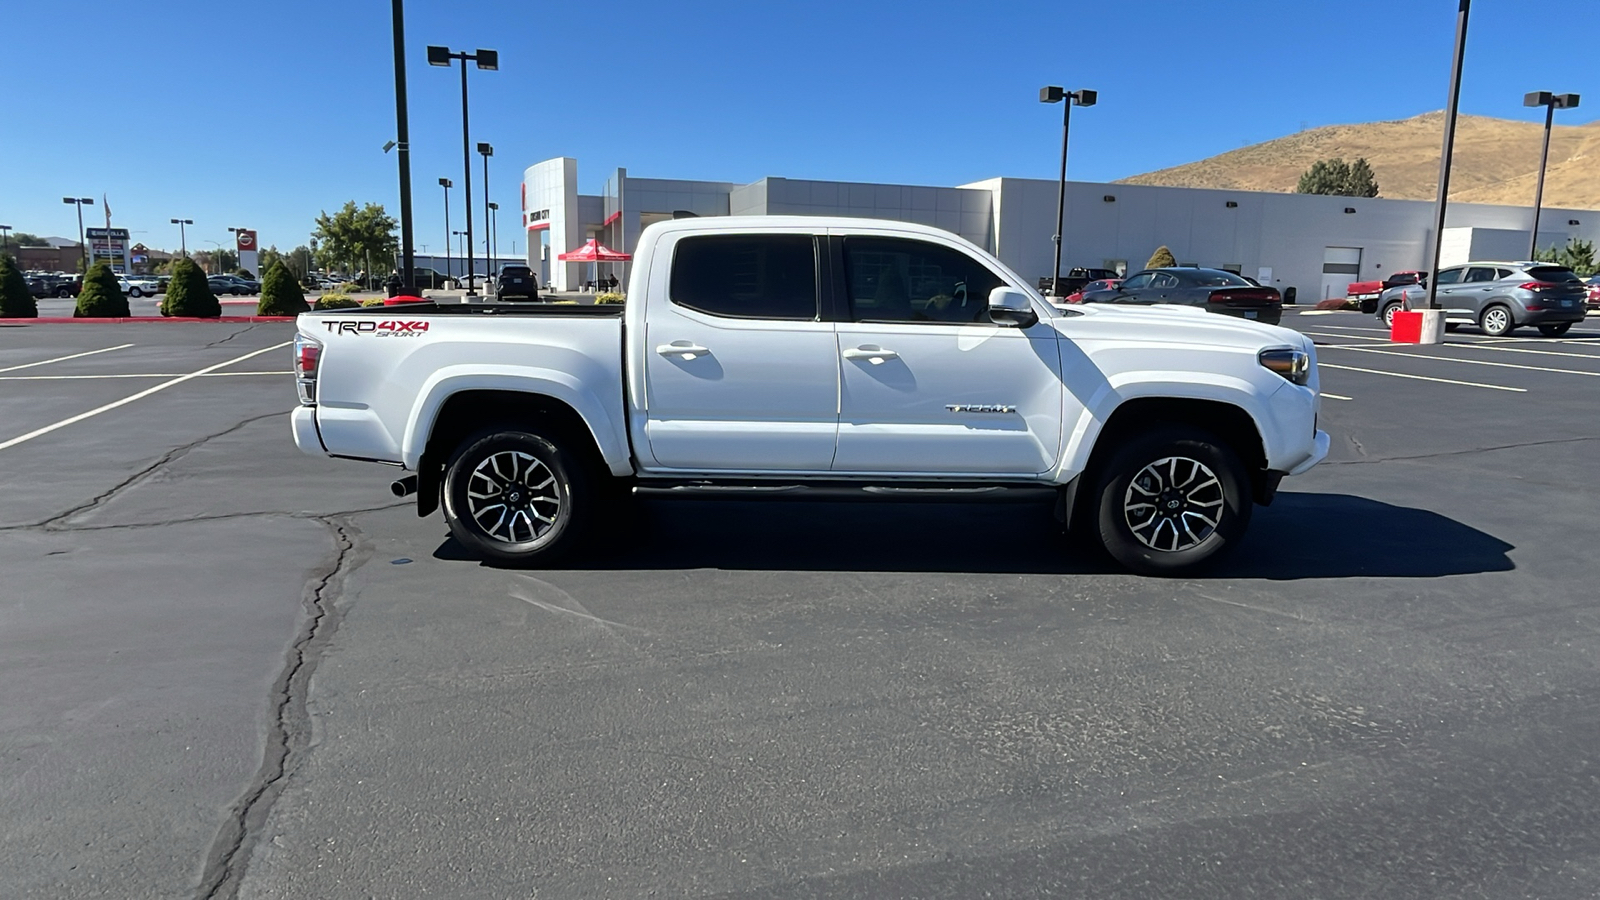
836 491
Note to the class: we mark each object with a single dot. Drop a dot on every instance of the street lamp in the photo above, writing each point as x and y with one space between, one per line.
216 258
494 231
81 202
486 150
1053 94
403 141
1551 103
1447 152
448 268
459 235
183 238
486 59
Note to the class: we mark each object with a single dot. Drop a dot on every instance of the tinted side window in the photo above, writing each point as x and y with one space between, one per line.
1479 273
1555 274
1164 280
746 276
1450 276
900 280
1142 280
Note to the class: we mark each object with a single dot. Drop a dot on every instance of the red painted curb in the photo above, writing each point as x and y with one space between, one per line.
68 320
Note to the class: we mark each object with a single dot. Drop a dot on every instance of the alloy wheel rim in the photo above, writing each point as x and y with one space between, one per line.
1495 319
514 497
1173 504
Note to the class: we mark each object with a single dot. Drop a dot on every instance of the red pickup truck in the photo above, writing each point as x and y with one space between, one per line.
1366 292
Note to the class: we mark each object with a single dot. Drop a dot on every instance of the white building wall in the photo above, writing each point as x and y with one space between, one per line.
550 208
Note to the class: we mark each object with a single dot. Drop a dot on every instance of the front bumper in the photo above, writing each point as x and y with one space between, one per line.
1319 452
303 421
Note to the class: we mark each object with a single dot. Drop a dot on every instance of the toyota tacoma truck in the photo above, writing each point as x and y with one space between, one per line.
783 357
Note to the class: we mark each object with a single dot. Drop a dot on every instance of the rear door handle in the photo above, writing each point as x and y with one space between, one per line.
683 349
872 353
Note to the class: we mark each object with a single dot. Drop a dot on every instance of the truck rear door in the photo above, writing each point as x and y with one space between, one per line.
741 371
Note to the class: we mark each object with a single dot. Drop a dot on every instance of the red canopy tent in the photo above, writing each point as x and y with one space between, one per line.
593 251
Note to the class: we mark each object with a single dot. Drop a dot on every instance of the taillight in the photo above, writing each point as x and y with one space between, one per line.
307 354
1536 286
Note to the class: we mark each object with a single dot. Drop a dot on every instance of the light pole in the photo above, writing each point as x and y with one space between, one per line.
403 142
216 259
81 202
448 268
183 238
1052 94
486 150
486 59
1449 149
1551 103
459 235
494 231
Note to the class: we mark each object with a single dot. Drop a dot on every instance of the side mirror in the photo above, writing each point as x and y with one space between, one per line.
1009 306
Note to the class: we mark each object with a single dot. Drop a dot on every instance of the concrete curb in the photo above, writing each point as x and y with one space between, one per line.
69 320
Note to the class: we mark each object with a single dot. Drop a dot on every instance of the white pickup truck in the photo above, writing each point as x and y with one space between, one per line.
774 357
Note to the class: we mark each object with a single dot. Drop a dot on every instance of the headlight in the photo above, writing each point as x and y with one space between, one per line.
1294 365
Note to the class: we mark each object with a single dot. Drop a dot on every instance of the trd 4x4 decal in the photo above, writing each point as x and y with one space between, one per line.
383 328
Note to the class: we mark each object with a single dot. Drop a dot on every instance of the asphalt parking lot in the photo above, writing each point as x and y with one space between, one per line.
233 670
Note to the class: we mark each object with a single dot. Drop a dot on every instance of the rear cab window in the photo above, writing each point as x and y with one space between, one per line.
746 276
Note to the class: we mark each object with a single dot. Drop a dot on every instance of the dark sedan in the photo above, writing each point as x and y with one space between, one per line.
1216 290
516 283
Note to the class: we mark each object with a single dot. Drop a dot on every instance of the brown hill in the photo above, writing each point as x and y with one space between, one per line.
1496 161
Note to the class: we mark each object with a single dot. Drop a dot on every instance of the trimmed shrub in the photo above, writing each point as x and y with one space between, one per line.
335 301
1161 259
280 294
611 297
188 294
349 287
375 301
101 298
245 273
16 301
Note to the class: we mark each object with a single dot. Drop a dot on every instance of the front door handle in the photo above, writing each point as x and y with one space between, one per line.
871 353
683 350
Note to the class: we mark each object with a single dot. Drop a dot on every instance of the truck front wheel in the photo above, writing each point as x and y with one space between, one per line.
516 497
1172 499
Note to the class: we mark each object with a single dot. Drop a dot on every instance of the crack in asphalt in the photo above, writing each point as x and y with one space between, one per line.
53 523
230 337
221 517
1463 452
289 735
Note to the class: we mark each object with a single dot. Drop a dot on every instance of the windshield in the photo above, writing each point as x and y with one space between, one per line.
1219 279
1555 275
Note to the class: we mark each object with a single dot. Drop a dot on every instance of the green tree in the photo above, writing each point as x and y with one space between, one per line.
1161 259
280 293
188 294
1335 177
101 298
16 301
26 239
1577 255
350 237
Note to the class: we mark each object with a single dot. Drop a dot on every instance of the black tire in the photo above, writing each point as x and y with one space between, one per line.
62 293
1555 330
1496 320
1388 314
501 460
135 292
1179 455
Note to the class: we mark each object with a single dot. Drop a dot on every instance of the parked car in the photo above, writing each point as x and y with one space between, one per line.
221 285
1498 297
1593 288
1074 280
1215 290
1367 293
1104 284
249 285
923 367
143 286
516 283
69 287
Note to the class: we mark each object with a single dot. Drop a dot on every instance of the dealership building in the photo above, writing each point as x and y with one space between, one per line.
1315 244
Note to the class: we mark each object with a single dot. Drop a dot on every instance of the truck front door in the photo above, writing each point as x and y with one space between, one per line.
929 384
741 372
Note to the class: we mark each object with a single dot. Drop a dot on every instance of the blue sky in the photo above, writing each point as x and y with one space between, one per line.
263 114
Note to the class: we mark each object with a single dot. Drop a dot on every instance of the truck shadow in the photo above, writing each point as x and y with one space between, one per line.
1302 535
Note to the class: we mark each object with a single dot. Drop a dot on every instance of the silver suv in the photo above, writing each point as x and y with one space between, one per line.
1498 297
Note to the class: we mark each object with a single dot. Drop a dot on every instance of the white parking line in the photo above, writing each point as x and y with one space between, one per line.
1526 350
1333 396
1492 387
134 375
46 362
1346 337
38 432
1468 362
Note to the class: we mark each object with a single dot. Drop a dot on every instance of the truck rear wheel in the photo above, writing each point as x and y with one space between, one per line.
1170 500
517 497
